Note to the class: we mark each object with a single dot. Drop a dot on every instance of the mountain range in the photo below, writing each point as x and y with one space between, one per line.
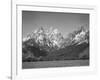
50 44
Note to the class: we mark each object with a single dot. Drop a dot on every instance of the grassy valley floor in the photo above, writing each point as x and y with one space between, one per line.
49 64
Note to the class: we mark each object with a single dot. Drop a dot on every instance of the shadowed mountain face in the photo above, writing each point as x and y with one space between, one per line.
49 44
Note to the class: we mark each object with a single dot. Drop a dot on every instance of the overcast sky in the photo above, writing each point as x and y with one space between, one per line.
64 22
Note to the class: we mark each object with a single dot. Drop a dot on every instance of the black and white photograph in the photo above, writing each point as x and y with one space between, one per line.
55 39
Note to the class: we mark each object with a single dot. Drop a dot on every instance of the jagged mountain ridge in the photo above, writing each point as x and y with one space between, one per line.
80 36
53 38
50 37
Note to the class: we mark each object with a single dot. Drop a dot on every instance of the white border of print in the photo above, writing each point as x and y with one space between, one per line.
16 70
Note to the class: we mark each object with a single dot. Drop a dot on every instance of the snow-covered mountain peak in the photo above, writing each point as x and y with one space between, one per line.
81 36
